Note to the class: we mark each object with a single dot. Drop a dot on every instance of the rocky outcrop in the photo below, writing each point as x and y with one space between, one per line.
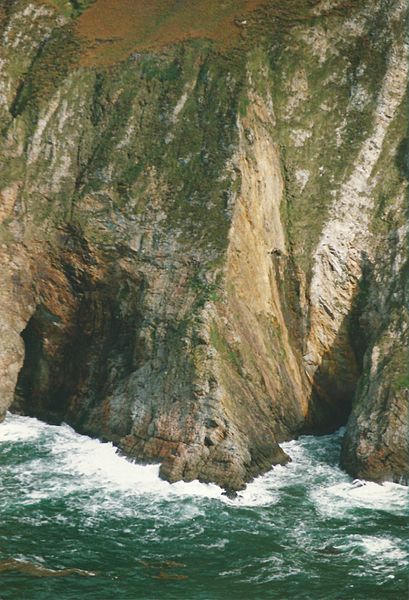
203 246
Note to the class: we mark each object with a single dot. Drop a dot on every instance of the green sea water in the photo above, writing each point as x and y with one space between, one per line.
304 531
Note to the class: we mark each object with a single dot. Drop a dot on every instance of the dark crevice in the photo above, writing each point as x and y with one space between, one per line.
50 371
337 380
81 345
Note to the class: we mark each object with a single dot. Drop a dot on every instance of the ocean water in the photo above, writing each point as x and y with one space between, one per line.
304 531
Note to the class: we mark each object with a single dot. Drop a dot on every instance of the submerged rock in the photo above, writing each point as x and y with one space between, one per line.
331 550
35 570
164 564
165 576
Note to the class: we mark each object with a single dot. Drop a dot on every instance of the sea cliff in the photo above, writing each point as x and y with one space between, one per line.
204 228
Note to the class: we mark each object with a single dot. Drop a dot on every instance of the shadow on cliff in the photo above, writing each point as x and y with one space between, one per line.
335 382
80 339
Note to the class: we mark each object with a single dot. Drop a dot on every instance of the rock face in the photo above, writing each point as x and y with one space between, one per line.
204 244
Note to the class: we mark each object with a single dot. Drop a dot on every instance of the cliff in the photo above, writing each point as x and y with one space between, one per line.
204 228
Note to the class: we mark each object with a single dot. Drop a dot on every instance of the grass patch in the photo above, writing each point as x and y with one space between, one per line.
225 350
113 29
50 67
205 291
70 8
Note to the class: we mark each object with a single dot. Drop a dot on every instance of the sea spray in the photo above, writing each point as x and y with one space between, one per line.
306 530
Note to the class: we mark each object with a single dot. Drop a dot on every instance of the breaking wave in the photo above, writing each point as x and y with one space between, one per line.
297 526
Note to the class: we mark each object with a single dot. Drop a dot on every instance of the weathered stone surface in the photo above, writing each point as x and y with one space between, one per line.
204 249
376 445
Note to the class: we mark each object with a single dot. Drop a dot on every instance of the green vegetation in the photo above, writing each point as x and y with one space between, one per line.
226 351
51 66
398 369
402 382
320 130
115 28
205 291
70 8
391 164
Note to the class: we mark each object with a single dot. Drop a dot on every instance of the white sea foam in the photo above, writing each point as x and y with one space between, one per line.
19 429
282 527
343 497
384 554
81 463
258 493
384 548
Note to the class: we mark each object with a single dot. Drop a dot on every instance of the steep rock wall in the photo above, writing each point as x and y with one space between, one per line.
193 241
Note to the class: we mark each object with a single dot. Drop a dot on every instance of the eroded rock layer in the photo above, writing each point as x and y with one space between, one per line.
204 244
